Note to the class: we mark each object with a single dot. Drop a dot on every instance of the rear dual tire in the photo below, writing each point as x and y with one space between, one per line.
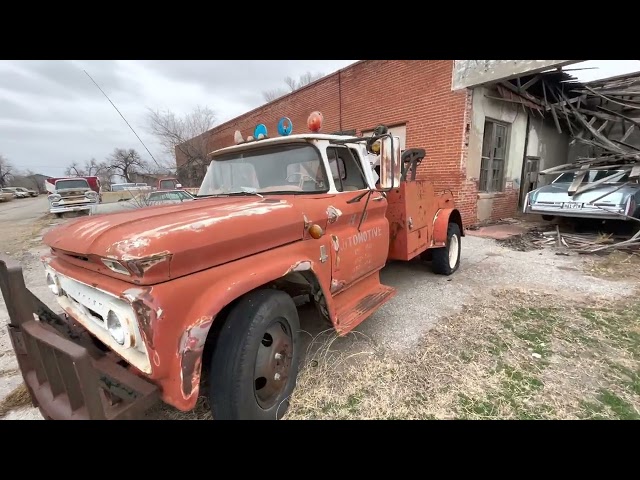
446 260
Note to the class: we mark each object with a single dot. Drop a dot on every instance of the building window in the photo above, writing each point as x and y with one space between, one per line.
494 151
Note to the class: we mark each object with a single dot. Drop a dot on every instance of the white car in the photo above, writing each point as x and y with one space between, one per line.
17 192
145 199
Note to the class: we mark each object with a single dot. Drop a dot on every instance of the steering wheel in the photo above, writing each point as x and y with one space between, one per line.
302 177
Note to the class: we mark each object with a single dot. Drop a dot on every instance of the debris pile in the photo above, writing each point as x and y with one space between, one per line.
589 243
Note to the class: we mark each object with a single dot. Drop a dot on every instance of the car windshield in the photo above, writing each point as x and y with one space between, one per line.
292 168
593 176
165 184
168 196
76 183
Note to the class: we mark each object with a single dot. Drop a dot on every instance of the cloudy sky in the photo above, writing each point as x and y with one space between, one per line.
51 114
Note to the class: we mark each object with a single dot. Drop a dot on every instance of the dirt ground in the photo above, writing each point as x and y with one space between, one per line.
517 332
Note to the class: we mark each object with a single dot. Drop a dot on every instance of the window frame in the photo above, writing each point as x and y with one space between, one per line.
487 182
340 187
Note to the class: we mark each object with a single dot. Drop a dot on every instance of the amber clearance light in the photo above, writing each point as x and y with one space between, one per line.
315 231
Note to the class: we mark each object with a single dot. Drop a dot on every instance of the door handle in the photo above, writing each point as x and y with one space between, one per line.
378 199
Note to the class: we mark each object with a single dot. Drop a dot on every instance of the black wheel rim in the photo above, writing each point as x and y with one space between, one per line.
273 364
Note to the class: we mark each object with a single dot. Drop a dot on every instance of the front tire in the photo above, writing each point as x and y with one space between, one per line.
446 260
254 367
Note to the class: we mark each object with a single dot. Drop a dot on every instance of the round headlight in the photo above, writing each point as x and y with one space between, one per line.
91 194
52 283
115 328
55 197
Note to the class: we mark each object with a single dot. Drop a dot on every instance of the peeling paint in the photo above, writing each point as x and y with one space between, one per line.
190 350
335 242
141 265
333 214
300 266
336 285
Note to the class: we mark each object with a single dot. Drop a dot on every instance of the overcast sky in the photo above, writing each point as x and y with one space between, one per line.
51 114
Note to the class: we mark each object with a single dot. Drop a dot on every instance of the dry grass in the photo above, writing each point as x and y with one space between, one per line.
516 355
18 398
616 265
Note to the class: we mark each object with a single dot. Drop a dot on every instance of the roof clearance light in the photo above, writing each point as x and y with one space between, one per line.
260 131
314 122
285 126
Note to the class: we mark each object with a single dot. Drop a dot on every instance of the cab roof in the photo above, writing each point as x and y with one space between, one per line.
297 138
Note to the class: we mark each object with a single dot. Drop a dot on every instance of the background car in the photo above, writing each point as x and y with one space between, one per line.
142 200
609 200
18 191
6 195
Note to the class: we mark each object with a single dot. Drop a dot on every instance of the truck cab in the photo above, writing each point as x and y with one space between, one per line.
158 300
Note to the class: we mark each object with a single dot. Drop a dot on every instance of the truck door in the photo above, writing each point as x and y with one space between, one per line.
356 252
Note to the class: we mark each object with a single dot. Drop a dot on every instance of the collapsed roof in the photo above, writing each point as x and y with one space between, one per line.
603 115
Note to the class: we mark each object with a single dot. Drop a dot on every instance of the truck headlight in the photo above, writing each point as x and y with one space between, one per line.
91 195
53 284
54 198
116 328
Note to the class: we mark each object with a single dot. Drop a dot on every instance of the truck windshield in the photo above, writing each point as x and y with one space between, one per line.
266 169
76 183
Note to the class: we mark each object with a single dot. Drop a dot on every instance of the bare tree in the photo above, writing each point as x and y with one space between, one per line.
31 176
125 162
187 135
292 84
89 169
6 171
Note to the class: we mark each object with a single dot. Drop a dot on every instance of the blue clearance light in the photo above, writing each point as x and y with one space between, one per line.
260 131
285 126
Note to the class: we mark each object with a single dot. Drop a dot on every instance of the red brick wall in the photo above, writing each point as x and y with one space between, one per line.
505 204
412 92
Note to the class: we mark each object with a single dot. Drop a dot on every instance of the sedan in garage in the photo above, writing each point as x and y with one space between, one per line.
597 197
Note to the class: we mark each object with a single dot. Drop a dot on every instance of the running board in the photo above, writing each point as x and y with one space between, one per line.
358 302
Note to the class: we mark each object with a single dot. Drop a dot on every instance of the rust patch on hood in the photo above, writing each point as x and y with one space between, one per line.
190 351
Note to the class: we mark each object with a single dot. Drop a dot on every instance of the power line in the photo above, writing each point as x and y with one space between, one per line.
125 120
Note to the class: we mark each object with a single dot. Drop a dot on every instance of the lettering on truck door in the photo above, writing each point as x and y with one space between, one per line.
354 253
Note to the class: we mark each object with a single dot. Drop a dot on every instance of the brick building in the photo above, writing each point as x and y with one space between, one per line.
416 99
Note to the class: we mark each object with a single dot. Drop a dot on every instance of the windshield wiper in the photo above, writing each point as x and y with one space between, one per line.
230 194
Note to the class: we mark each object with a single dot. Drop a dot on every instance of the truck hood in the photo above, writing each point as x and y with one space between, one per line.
175 240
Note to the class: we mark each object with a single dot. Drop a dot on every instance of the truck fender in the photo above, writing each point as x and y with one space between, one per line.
229 283
441 222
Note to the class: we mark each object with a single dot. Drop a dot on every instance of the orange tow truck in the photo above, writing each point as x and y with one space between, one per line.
159 299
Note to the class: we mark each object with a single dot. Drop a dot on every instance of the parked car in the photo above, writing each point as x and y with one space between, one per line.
145 199
6 195
18 192
606 201
28 191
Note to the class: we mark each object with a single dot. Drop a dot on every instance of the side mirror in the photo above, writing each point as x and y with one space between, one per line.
390 166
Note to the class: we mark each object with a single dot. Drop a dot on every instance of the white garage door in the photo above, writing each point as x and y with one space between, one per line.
397 131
